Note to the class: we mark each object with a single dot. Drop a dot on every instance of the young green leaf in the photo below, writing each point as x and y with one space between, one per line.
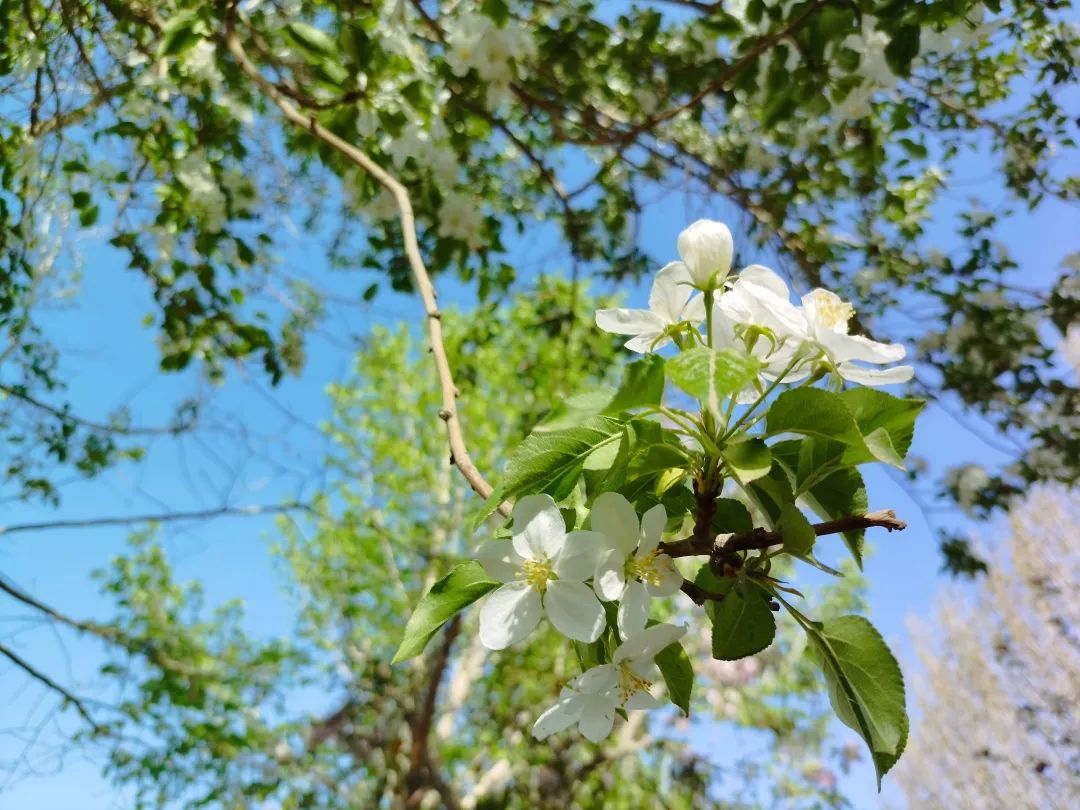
866 687
551 462
309 40
458 589
748 460
710 375
678 674
799 535
874 410
642 386
742 625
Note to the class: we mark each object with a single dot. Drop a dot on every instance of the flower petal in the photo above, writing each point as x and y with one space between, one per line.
615 518
856 347
566 711
762 276
574 610
875 376
579 555
500 559
597 718
628 321
670 291
647 342
609 579
649 642
643 700
652 530
706 247
597 680
539 529
694 311
509 615
670 578
633 610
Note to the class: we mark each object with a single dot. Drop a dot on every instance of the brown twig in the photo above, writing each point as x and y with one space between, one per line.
127 520
459 454
761 538
48 682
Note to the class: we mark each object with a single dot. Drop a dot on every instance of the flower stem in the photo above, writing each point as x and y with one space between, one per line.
709 296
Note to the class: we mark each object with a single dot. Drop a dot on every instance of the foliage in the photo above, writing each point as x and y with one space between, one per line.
445 725
133 119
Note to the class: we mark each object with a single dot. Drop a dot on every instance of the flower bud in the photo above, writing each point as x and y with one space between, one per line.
706 248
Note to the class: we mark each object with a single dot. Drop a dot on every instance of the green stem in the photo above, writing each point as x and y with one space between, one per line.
798 358
709 297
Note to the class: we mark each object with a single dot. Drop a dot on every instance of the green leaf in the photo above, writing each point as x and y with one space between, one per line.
748 460
710 375
678 674
179 33
642 386
742 625
731 517
814 412
551 462
875 410
866 687
902 49
309 40
799 535
832 494
770 493
458 589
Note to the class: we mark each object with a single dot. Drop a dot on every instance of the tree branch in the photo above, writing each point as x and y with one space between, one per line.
459 454
163 517
761 538
48 682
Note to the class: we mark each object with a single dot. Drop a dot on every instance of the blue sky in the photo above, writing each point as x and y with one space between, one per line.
109 360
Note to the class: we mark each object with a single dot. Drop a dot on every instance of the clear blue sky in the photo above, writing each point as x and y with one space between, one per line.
110 359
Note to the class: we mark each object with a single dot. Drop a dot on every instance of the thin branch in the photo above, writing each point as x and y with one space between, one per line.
48 682
459 455
162 517
17 392
762 539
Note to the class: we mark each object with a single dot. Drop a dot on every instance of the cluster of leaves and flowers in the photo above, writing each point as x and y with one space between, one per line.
617 484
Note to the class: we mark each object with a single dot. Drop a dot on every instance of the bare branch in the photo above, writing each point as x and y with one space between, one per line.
162 517
761 539
49 683
17 392
459 454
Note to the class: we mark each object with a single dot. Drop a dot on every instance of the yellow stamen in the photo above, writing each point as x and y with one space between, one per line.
630 683
832 311
536 573
645 569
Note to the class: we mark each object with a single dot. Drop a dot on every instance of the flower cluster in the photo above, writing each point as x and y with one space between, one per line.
545 570
753 312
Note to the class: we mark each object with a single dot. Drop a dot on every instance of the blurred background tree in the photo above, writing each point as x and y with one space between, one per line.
996 706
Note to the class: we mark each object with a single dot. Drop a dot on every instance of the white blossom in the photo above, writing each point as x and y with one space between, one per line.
460 217
827 319
592 699
632 570
670 303
544 571
706 249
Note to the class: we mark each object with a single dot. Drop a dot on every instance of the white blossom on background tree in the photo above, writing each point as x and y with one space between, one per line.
997 704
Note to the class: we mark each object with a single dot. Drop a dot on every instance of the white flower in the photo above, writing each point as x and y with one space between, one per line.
669 305
631 571
706 248
544 570
460 218
827 319
592 698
